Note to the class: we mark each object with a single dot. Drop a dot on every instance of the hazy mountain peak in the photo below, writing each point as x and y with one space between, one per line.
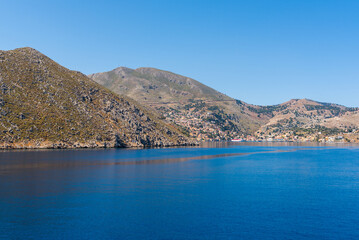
158 73
124 70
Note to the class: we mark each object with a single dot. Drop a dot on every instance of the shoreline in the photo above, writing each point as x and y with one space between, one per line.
205 144
62 146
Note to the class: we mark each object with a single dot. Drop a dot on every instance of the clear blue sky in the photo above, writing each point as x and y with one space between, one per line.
262 52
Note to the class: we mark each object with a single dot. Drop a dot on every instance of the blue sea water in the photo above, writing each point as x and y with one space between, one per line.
226 191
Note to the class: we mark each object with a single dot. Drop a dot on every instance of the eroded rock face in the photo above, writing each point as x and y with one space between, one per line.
44 105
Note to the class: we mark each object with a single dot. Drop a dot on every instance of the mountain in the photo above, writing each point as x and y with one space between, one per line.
200 110
304 118
207 114
44 105
154 85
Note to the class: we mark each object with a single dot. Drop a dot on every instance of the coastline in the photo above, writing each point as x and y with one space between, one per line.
48 145
86 145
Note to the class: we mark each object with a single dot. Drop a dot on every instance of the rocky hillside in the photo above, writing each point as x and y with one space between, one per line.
200 110
207 114
44 105
306 118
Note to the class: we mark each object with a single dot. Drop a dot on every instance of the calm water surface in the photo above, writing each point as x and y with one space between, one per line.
227 191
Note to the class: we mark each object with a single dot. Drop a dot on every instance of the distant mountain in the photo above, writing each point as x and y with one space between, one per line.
207 114
43 104
154 85
202 111
304 117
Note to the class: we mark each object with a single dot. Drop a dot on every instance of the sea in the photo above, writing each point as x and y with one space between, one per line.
213 191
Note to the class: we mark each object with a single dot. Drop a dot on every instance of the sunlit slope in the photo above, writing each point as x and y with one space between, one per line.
43 104
184 98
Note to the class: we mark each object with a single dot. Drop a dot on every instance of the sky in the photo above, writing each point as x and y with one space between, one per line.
259 51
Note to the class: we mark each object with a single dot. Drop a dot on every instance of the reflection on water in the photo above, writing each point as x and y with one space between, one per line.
275 144
11 160
27 163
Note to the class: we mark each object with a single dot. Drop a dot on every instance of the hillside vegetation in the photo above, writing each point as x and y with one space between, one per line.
203 112
207 114
310 120
43 104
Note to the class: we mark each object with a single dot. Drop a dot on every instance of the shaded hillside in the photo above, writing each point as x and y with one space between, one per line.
202 111
43 104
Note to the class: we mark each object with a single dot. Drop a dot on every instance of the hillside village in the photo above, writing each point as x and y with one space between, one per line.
311 135
206 124
210 124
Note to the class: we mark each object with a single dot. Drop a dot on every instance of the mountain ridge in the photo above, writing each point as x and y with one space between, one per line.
169 93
